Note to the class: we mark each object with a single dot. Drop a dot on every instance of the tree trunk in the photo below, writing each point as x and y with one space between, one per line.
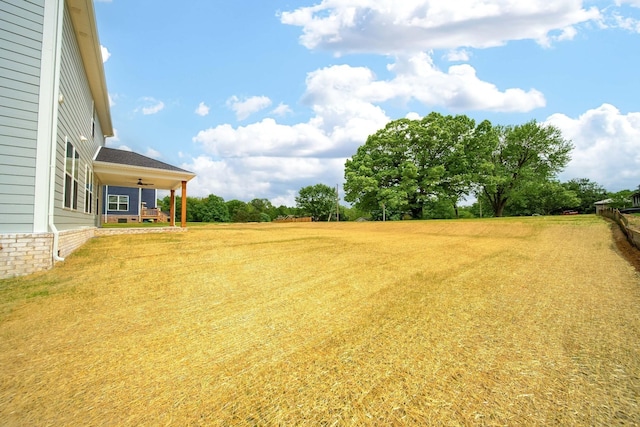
498 207
455 208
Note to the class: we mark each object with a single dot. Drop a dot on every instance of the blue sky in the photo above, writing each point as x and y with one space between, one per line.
261 98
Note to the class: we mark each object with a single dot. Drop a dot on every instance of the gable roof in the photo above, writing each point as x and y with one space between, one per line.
127 169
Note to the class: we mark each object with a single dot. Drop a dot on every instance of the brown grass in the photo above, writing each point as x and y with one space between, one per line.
495 322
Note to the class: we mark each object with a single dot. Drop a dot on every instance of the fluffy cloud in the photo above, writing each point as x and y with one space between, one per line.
629 24
105 53
275 178
634 3
281 110
154 154
393 27
246 107
202 109
458 89
607 146
110 141
344 101
458 55
151 106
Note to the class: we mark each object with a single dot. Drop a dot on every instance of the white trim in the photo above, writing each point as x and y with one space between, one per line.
139 204
48 115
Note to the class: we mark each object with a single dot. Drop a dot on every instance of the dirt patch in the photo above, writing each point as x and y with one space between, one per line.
626 249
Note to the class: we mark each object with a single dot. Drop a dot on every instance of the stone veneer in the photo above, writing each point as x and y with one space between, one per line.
26 253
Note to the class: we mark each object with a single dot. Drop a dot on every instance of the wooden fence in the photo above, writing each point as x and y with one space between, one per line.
292 219
614 214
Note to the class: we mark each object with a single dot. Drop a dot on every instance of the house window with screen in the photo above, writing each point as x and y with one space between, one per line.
71 174
88 190
118 203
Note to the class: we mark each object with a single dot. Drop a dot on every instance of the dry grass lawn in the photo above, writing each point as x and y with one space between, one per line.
532 321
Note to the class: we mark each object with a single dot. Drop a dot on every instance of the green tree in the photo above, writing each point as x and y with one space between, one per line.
317 201
234 206
588 193
264 208
541 197
518 155
621 199
193 207
212 209
405 165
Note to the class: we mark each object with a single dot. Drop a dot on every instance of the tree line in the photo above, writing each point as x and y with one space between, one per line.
425 168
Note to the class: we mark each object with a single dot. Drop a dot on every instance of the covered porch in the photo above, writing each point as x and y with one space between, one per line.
128 169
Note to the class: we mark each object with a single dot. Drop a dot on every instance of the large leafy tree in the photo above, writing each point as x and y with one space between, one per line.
588 193
317 201
212 209
519 155
541 197
411 162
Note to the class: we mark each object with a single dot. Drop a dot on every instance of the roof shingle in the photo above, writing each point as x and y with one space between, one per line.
122 157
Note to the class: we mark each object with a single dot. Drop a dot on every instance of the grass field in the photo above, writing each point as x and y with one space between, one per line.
532 321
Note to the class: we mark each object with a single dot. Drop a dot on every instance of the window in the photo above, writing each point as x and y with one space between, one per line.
118 203
88 190
93 120
71 174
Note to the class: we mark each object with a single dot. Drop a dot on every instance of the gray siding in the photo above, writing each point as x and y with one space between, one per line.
74 119
21 24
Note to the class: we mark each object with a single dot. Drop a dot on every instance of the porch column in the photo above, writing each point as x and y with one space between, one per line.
184 204
172 209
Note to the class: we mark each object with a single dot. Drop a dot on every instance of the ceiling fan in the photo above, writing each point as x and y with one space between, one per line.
140 183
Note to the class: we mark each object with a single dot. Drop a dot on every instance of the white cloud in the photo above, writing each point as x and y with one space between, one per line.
607 146
105 54
634 3
151 106
260 177
154 154
113 139
345 101
112 100
629 24
281 110
202 109
246 107
458 89
458 55
393 27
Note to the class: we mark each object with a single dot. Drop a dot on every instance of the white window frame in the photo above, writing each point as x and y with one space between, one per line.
71 176
88 189
119 200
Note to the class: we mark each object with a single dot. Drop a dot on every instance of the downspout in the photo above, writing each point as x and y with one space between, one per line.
52 202
55 104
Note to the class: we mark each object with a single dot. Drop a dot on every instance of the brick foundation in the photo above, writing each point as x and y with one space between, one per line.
27 253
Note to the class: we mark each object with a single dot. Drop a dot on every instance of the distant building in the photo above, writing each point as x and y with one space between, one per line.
602 205
635 198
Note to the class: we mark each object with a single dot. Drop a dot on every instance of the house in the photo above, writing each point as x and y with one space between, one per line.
635 198
602 205
126 204
54 118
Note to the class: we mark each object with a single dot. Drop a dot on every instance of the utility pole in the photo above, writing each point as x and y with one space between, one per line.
337 203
